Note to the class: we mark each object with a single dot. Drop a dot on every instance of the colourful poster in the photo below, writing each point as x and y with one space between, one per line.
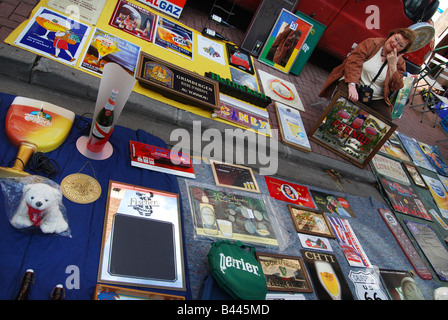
414 150
436 161
170 7
104 48
54 36
289 192
174 37
329 202
438 193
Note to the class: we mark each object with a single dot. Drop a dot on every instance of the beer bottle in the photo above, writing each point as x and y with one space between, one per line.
213 34
105 117
27 281
218 20
58 292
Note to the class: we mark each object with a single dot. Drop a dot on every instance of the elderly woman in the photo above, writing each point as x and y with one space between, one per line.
362 65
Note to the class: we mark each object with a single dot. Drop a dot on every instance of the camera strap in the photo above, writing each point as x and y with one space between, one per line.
379 72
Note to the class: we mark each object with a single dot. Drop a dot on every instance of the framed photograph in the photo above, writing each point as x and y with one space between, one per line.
310 221
285 41
292 131
142 238
284 273
239 58
415 175
234 176
106 292
134 20
351 130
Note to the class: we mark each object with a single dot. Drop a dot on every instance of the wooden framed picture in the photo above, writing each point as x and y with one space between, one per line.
239 58
415 175
351 130
292 130
136 216
284 273
310 221
234 176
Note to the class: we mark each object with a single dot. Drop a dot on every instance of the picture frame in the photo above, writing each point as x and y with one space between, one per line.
136 215
292 130
234 176
310 221
415 175
239 58
280 53
106 292
352 130
284 273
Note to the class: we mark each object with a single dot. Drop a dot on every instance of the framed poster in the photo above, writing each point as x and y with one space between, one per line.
393 148
332 203
105 292
292 131
134 20
173 37
439 194
349 243
88 10
239 58
351 130
390 168
415 152
400 285
54 36
280 90
104 48
415 175
234 176
431 246
404 199
434 158
285 41
327 277
135 218
310 222
284 273
231 215
289 192
211 49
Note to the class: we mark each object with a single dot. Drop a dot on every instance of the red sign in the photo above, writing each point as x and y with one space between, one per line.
289 192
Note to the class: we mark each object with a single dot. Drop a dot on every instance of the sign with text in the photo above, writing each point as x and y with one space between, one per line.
172 7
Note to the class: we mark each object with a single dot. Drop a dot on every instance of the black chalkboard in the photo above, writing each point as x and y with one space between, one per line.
142 248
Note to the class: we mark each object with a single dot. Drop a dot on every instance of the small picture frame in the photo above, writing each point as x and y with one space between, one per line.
284 273
234 176
310 221
415 175
239 58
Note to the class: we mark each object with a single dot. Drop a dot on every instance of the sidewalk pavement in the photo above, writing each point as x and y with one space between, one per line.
23 73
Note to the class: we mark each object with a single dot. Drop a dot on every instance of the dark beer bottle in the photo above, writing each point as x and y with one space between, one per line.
218 20
58 292
25 285
105 117
213 34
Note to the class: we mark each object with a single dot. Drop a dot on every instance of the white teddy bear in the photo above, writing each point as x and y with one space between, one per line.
39 206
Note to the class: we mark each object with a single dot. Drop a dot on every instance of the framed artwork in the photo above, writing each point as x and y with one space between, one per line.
230 215
332 203
434 158
400 285
390 168
134 20
327 276
438 193
135 218
292 130
211 49
289 192
284 273
394 148
105 292
351 130
310 222
285 41
173 37
431 246
415 152
234 176
415 175
239 58
280 90
404 199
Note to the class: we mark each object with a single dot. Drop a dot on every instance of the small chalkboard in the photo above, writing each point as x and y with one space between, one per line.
143 248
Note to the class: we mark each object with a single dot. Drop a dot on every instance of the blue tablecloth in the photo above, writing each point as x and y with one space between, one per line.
56 258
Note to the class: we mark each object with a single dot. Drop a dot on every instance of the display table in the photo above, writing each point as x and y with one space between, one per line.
72 261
